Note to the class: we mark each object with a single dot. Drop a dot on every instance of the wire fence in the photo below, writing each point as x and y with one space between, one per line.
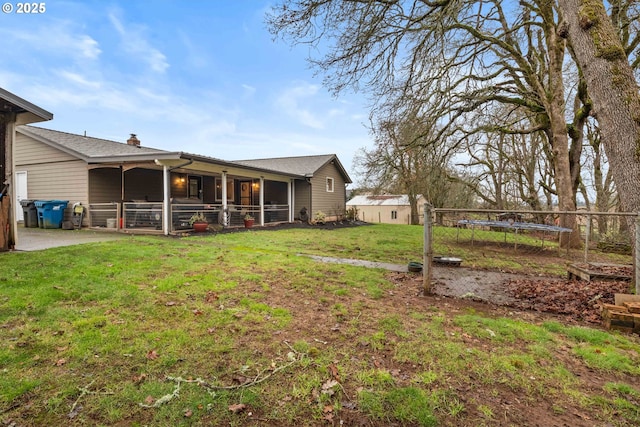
581 244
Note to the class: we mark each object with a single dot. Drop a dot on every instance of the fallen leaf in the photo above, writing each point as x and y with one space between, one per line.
327 409
334 371
327 387
237 408
170 303
197 312
152 355
211 297
188 413
61 362
139 378
149 400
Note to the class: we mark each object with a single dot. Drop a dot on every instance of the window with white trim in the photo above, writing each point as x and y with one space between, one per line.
329 185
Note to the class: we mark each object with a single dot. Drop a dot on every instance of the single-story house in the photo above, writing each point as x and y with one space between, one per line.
386 208
14 111
132 187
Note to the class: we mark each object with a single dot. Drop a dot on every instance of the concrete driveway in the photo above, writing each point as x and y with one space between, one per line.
35 239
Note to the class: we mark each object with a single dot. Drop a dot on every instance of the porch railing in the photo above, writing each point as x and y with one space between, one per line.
148 215
103 215
182 213
142 215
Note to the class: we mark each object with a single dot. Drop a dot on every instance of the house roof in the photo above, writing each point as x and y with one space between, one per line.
97 150
85 147
305 166
381 200
14 104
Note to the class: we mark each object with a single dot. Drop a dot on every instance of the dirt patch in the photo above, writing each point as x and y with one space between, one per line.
320 324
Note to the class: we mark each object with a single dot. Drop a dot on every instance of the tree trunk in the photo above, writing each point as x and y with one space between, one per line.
613 90
6 240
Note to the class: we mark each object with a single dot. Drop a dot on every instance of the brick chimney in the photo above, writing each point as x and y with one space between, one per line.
133 140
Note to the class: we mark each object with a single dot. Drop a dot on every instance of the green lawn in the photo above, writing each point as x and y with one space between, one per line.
237 329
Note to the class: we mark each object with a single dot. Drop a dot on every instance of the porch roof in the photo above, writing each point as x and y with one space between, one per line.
25 111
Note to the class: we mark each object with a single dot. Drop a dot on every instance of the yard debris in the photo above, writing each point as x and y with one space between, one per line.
293 356
76 408
237 408
575 298
211 297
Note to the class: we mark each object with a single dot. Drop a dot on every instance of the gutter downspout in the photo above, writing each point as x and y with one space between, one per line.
308 178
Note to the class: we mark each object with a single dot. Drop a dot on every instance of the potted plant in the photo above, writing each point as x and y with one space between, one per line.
199 222
248 221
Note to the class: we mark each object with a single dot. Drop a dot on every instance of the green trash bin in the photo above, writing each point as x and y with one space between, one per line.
50 213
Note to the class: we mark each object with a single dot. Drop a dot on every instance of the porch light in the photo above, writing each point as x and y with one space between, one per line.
255 185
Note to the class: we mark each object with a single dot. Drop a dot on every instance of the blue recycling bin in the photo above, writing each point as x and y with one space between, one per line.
50 213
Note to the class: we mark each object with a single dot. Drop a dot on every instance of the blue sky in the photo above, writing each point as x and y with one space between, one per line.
198 76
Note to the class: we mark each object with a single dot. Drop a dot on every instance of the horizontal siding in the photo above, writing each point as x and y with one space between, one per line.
382 214
331 203
60 181
105 185
300 197
28 151
51 174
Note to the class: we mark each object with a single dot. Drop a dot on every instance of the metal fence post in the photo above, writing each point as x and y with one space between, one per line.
428 250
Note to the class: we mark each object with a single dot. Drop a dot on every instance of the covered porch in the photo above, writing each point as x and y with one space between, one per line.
161 196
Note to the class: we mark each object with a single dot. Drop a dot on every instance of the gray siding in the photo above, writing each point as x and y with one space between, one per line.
331 203
302 191
51 174
105 185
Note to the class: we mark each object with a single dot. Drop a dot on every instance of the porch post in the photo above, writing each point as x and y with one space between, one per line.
290 199
166 201
224 199
262 201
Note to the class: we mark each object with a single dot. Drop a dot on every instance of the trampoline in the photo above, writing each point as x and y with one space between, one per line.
511 225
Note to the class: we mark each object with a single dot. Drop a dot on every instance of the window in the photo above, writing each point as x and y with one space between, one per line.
194 190
230 189
329 185
394 214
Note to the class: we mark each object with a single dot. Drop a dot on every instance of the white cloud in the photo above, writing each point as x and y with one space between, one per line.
56 39
293 100
133 41
195 56
78 79
248 90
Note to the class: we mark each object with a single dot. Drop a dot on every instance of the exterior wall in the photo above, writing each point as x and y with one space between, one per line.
382 214
105 185
51 174
331 203
143 184
302 197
